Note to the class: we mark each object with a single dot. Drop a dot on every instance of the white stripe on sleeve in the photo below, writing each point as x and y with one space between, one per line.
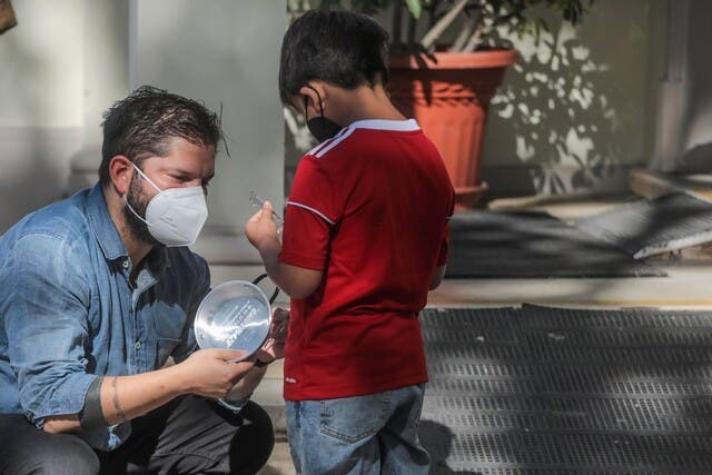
315 211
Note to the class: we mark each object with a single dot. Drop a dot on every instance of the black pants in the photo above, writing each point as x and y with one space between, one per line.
188 435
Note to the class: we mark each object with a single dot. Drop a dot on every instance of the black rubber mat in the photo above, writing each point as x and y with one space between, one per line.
647 227
537 390
487 244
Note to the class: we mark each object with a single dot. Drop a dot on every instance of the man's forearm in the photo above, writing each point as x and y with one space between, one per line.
123 398
126 397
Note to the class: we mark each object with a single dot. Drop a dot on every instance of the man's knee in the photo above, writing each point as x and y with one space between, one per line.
253 444
55 454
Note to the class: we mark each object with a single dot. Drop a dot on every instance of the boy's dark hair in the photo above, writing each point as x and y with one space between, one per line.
140 125
340 47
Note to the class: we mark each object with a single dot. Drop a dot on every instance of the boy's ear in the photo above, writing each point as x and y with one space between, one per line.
317 97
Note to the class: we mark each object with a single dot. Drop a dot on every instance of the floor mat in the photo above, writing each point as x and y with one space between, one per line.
485 244
538 390
648 227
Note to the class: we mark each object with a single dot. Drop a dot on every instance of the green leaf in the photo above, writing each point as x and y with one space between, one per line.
415 7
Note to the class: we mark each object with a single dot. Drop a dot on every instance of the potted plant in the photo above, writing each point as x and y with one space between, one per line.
447 60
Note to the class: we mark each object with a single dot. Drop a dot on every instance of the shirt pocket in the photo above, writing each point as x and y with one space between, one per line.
168 324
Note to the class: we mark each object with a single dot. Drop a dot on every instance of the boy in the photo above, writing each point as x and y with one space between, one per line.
364 241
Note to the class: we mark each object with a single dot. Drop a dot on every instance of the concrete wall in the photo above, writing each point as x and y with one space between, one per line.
40 104
224 53
579 110
68 60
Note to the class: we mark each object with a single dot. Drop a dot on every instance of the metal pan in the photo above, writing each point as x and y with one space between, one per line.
234 315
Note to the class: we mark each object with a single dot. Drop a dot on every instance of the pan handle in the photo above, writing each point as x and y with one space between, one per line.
259 279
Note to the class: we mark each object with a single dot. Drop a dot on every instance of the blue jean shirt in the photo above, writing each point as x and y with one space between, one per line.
69 314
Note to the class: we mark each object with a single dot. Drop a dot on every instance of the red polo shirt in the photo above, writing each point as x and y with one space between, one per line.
369 208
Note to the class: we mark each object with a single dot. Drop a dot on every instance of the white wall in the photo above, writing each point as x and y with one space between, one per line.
68 60
223 52
40 104
40 84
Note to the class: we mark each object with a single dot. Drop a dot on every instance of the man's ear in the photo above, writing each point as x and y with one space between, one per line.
317 97
120 174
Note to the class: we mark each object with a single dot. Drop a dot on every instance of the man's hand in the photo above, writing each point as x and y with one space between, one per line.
274 346
213 372
261 229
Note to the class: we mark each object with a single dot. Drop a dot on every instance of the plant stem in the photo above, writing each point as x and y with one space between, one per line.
474 42
478 31
397 24
443 24
434 4
412 23
468 28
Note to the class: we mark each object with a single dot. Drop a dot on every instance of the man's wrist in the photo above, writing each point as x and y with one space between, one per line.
177 382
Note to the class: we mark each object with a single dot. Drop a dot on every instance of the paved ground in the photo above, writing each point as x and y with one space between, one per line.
688 286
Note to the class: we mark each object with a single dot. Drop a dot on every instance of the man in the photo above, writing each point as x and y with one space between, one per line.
99 290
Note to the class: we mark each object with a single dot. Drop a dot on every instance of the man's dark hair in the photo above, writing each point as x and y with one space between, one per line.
340 47
140 126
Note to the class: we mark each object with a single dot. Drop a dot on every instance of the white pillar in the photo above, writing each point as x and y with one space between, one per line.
673 95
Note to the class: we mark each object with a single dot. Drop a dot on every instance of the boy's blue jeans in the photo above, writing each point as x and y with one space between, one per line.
372 434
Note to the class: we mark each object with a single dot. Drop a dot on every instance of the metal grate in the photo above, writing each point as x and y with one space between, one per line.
541 390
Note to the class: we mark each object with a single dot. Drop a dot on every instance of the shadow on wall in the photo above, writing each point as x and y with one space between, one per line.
559 119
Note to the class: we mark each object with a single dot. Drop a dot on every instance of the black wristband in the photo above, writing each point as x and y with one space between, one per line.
91 415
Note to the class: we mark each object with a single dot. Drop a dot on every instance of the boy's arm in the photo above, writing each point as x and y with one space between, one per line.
297 282
441 262
438 276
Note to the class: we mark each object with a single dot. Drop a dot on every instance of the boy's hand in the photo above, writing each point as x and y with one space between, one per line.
261 228
280 325
274 346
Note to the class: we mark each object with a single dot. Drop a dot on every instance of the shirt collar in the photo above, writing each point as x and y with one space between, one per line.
104 228
409 125
108 236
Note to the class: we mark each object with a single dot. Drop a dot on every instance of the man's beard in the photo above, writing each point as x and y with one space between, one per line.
136 199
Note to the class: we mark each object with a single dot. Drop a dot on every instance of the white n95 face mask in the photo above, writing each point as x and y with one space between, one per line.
174 216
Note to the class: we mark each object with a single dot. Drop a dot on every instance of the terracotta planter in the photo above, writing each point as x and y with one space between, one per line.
449 97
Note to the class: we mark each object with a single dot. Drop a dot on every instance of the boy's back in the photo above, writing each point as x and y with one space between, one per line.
368 208
365 236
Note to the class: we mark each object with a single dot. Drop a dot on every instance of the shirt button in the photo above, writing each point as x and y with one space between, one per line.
138 345
125 264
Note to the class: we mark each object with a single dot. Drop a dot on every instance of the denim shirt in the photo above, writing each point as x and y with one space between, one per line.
68 312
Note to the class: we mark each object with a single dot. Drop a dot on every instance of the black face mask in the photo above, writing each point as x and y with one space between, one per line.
320 127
